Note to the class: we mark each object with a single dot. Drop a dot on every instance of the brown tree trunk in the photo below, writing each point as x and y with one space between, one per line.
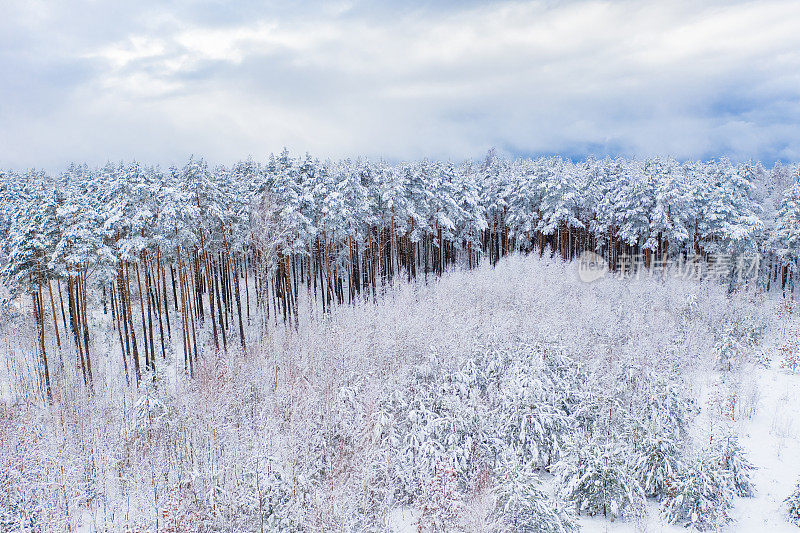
187 343
74 323
61 301
235 274
53 308
127 302
163 277
39 316
85 311
246 285
219 307
147 356
190 311
117 323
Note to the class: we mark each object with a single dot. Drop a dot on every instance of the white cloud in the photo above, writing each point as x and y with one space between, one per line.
689 79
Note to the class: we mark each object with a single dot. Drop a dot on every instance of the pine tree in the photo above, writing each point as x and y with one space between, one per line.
523 506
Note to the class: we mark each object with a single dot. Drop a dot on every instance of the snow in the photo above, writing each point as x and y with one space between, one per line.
773 442
403 520
650 523
766 420
770 435
434 391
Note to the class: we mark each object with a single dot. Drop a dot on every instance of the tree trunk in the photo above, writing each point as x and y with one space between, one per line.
38 311
53 308
122 342
86 328
219 308
76 331
61 301
163 277
127 302
147 356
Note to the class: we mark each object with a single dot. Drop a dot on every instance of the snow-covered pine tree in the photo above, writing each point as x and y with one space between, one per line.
733 459
596 477
793 506
657 464
523 506
785 238
701 496
561 205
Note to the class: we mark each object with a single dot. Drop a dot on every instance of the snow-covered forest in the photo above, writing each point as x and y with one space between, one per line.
354 345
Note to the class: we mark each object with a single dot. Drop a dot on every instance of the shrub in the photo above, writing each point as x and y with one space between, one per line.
441 503
733 459
523 506
18 510
701 496
729 348
596 478
790 350
657 464
529 418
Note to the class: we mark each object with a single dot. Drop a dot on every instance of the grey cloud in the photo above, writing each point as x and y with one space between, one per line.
440 79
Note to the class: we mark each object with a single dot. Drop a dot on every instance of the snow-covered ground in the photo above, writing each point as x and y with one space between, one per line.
323 418
772 438
768 423
765 416
767 420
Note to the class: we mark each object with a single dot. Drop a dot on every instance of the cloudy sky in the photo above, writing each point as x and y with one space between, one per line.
92 80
